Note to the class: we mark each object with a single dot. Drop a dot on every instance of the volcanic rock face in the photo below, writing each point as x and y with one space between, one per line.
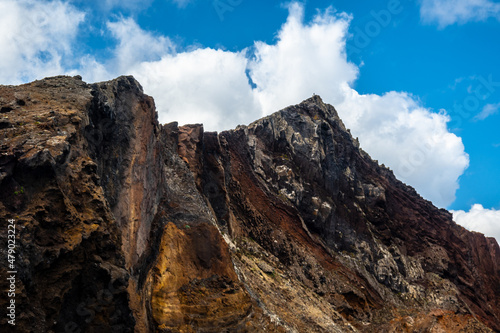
285 225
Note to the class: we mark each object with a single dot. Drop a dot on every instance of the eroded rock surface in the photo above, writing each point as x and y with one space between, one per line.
284 225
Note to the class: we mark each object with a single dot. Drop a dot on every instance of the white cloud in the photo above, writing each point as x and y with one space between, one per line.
36 38
448 12
202 86
480 219
306 59
136 45
488 110
411 140
91 70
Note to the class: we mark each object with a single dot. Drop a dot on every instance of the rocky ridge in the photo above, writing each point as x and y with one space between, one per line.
284 225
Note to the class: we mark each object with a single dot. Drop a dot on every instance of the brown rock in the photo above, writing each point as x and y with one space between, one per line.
284 225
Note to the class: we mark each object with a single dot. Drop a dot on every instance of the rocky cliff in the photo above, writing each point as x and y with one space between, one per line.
284 225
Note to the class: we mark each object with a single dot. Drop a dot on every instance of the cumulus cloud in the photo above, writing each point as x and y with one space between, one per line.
202 86
36 38
306 59
448 12
414 142
136 45
480 219
223 89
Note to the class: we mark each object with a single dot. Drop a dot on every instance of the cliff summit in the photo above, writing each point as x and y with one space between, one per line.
285 225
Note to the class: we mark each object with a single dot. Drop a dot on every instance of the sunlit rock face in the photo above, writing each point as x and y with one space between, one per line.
284 225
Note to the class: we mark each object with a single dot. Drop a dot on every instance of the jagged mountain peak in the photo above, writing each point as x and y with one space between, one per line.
283 225
313 107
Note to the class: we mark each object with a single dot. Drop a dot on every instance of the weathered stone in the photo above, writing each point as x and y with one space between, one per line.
284 225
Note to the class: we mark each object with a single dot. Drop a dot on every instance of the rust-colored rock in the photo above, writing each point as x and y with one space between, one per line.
285 225
194 283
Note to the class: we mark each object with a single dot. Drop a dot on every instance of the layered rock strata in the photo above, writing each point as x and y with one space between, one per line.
284 225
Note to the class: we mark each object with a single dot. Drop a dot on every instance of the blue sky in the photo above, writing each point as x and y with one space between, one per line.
417 81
